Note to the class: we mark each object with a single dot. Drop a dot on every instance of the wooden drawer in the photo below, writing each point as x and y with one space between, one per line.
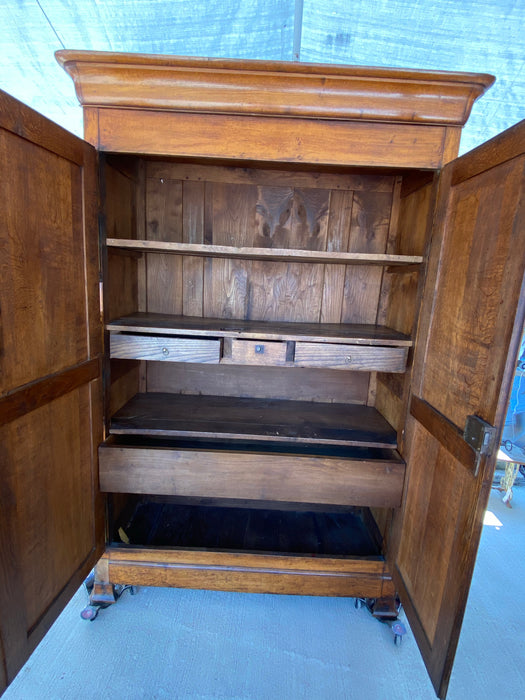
165 349
359 477
258 352
354 357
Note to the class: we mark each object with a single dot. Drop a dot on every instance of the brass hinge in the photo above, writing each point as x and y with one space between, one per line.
481 436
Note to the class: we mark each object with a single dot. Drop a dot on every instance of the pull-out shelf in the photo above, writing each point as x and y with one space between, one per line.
255 449
273 420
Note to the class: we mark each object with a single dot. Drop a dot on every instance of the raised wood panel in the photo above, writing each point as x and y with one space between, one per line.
42 276
253 475
47 465
430 562
482 238
262 382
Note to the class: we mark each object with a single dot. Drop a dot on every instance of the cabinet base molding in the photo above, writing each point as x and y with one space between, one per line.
248 573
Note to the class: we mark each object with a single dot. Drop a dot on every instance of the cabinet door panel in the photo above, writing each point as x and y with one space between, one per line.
51 524
469 335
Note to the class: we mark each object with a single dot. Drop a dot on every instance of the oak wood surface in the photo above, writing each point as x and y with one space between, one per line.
166 324
298 176
51 516
298 383
256 419
271 254
36 394
273 87
140 347
357 478
251 573
270 140
350 357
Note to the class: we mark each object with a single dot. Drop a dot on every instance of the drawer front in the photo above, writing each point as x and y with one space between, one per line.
145 347
354 357
258 352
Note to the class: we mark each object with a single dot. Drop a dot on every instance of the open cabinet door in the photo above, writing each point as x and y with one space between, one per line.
51 515
469 335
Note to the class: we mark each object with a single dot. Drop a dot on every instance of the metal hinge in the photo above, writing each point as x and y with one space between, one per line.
481 436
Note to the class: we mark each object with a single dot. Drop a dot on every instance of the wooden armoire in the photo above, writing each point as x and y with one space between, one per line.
257 334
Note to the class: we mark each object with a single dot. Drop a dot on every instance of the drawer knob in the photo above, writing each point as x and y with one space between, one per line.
348 359
259 349
165 351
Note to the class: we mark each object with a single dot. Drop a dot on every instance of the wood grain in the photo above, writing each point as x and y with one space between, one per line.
296 177
275 140
273 87
300 384
273 254
161 349
166 324
253 419
246 572
35 395
350 357
257 475
42 276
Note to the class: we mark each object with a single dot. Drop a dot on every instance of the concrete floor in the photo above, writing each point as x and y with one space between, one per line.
168 643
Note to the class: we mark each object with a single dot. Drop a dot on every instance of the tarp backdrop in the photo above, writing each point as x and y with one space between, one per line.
471 35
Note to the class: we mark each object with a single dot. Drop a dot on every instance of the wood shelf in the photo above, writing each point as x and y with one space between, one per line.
271 254
340 533
303 422
165 324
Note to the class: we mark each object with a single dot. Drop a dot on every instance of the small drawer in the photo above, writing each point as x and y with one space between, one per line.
364 358
258 352
164 349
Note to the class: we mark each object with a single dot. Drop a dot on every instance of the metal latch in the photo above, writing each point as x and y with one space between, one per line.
481 436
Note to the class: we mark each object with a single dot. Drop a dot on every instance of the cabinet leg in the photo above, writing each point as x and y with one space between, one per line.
385 609
101 592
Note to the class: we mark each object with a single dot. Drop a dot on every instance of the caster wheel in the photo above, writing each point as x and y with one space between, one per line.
399 630
89 613
358 603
